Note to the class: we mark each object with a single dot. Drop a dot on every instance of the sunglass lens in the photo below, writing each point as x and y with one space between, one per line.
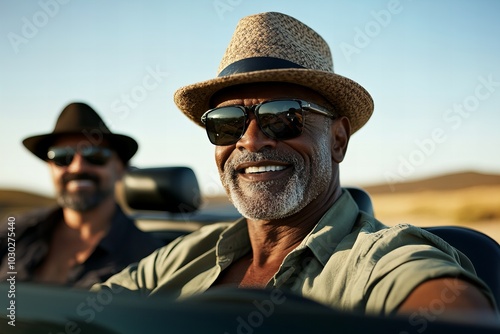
281 119
225 125
61 156
96 155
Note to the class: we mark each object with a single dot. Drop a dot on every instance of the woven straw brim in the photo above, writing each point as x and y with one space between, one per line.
347 97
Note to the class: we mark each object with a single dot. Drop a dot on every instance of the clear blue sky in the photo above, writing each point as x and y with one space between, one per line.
432 67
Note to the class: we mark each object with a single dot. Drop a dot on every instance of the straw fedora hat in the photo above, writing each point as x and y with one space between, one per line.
79 118
274 47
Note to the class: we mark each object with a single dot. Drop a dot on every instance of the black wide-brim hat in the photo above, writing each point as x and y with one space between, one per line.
80 119
274 47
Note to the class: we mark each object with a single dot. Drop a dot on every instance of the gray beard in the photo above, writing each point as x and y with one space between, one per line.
82 201
279 198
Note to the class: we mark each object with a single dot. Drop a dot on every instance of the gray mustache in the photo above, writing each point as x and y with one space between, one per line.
80 176
261 156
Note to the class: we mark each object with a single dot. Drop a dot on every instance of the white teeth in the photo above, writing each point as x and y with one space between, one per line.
262 169
79 184
82 182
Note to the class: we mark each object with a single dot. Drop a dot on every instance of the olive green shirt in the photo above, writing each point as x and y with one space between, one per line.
349 261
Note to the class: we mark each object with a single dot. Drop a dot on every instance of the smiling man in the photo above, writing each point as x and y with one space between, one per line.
280 120
87 238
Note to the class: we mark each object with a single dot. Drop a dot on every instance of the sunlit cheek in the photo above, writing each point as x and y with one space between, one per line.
56 174
112 176
220 157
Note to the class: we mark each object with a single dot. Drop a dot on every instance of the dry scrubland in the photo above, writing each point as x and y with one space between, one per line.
13 202
475 207
465 199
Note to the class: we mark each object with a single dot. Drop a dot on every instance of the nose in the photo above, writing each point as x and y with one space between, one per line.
77 164
254 140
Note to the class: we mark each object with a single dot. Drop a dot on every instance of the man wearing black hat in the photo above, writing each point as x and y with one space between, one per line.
87 238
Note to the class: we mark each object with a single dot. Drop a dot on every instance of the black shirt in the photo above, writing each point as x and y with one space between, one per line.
124 244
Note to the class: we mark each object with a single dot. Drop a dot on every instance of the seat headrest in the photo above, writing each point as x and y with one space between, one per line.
172 189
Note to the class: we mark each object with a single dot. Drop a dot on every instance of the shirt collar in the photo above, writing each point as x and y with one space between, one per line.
323 240
335 224
234 239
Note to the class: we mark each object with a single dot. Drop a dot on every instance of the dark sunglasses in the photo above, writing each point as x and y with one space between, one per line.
62 156
277 119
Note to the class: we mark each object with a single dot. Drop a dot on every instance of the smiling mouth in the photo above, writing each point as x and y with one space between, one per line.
263 169
79 184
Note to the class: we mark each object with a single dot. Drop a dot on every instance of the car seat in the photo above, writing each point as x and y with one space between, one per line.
164 189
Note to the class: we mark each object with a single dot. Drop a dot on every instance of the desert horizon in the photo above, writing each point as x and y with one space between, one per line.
469 199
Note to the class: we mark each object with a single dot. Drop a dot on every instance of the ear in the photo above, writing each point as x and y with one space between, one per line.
119 168
341 132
